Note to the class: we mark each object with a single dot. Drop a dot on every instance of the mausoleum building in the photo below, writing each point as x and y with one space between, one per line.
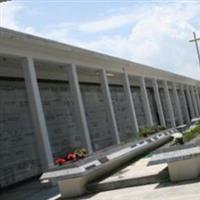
55 97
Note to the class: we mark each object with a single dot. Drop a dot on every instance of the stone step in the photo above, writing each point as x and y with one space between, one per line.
130 178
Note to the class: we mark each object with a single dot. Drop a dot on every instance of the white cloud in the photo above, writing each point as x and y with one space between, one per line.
109 23
162 38
158 37
8 11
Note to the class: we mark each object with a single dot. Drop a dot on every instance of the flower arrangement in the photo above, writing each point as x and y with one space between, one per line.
145 132
77 154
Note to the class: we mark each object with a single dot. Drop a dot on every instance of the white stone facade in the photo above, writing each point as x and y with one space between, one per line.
56 97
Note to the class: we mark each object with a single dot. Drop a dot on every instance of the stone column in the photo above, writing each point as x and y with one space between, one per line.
37 113
78 105
109 105
169 104
185 104
197 97
196 111
190 102
146 104
177 104
130 102
158 102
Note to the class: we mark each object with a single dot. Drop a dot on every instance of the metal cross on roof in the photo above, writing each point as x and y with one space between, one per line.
196 44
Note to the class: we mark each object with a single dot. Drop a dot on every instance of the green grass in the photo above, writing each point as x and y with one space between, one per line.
147 131
189 135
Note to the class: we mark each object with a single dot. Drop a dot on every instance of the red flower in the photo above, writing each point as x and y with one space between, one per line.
60 161
71 156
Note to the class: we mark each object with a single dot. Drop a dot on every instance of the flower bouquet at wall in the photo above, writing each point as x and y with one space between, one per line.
147 131
77 154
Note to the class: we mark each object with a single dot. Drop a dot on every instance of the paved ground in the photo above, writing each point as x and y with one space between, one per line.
29 190
183 191
137 173
32 190
136 170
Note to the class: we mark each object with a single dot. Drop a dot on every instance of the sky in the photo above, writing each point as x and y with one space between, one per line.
155 33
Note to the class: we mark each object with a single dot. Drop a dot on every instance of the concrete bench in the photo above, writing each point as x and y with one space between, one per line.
182 127
195 120
183 161
72 179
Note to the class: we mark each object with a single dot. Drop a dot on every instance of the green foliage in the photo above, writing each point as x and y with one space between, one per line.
189 135
145 132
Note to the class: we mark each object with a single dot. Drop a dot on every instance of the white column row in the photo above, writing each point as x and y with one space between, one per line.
78 105
158 103
39 119
169 104
189 98
193 99
37 114
145 101
198 98
177 104
109 105
185 107
130 103
196 111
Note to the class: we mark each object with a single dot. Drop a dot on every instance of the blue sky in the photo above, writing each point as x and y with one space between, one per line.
155 33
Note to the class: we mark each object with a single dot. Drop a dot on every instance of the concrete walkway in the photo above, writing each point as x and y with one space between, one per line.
137 173
183 191
29 190
167 191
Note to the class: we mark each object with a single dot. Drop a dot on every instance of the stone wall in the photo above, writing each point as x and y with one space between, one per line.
139 108
164 106
59 113
187 102
125 127
153 107
181 100
174 105
96 115
18 149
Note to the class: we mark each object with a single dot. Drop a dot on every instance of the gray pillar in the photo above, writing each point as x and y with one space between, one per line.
190 102
78 105
169 104
146 104
196 111
37 113
185 104
109 106
197 97
130 102
177 104
158 102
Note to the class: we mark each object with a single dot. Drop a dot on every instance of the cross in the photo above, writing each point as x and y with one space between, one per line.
196 44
